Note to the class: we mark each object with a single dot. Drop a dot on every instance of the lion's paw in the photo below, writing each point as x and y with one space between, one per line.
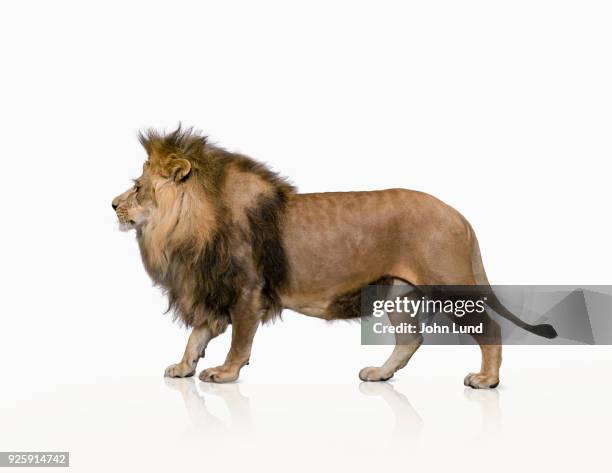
179 370
481 381
374 373
219 374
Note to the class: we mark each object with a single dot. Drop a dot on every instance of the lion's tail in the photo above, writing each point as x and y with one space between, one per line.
543 330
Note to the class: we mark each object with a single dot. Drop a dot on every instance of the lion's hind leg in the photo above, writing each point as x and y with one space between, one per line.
490 347
399 358
406 345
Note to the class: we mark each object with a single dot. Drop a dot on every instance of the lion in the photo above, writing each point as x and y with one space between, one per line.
231 242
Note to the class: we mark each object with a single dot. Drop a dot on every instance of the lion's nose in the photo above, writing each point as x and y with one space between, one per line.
114 206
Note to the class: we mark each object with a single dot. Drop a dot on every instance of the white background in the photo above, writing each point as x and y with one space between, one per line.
501 109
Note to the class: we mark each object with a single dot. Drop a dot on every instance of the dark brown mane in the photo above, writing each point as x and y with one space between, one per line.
204 276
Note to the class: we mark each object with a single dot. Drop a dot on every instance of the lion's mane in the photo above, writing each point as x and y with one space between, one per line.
217 232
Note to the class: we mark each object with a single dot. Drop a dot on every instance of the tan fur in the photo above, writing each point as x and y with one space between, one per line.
241 190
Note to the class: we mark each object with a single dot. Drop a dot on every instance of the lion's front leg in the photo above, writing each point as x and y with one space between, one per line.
198 340
244 326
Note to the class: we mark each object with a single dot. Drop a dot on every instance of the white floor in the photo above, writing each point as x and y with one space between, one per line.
556 418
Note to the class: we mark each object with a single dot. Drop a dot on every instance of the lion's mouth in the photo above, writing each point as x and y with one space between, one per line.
125 223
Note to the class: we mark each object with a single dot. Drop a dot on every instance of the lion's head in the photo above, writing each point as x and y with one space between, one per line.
162 172
207 222
134 206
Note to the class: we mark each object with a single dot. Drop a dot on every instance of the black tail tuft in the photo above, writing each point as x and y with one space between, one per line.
544 330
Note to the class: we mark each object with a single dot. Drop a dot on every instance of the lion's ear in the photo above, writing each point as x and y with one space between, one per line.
178 169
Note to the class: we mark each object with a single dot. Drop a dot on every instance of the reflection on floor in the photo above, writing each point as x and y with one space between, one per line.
195 403
408 422
488 399
539 420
